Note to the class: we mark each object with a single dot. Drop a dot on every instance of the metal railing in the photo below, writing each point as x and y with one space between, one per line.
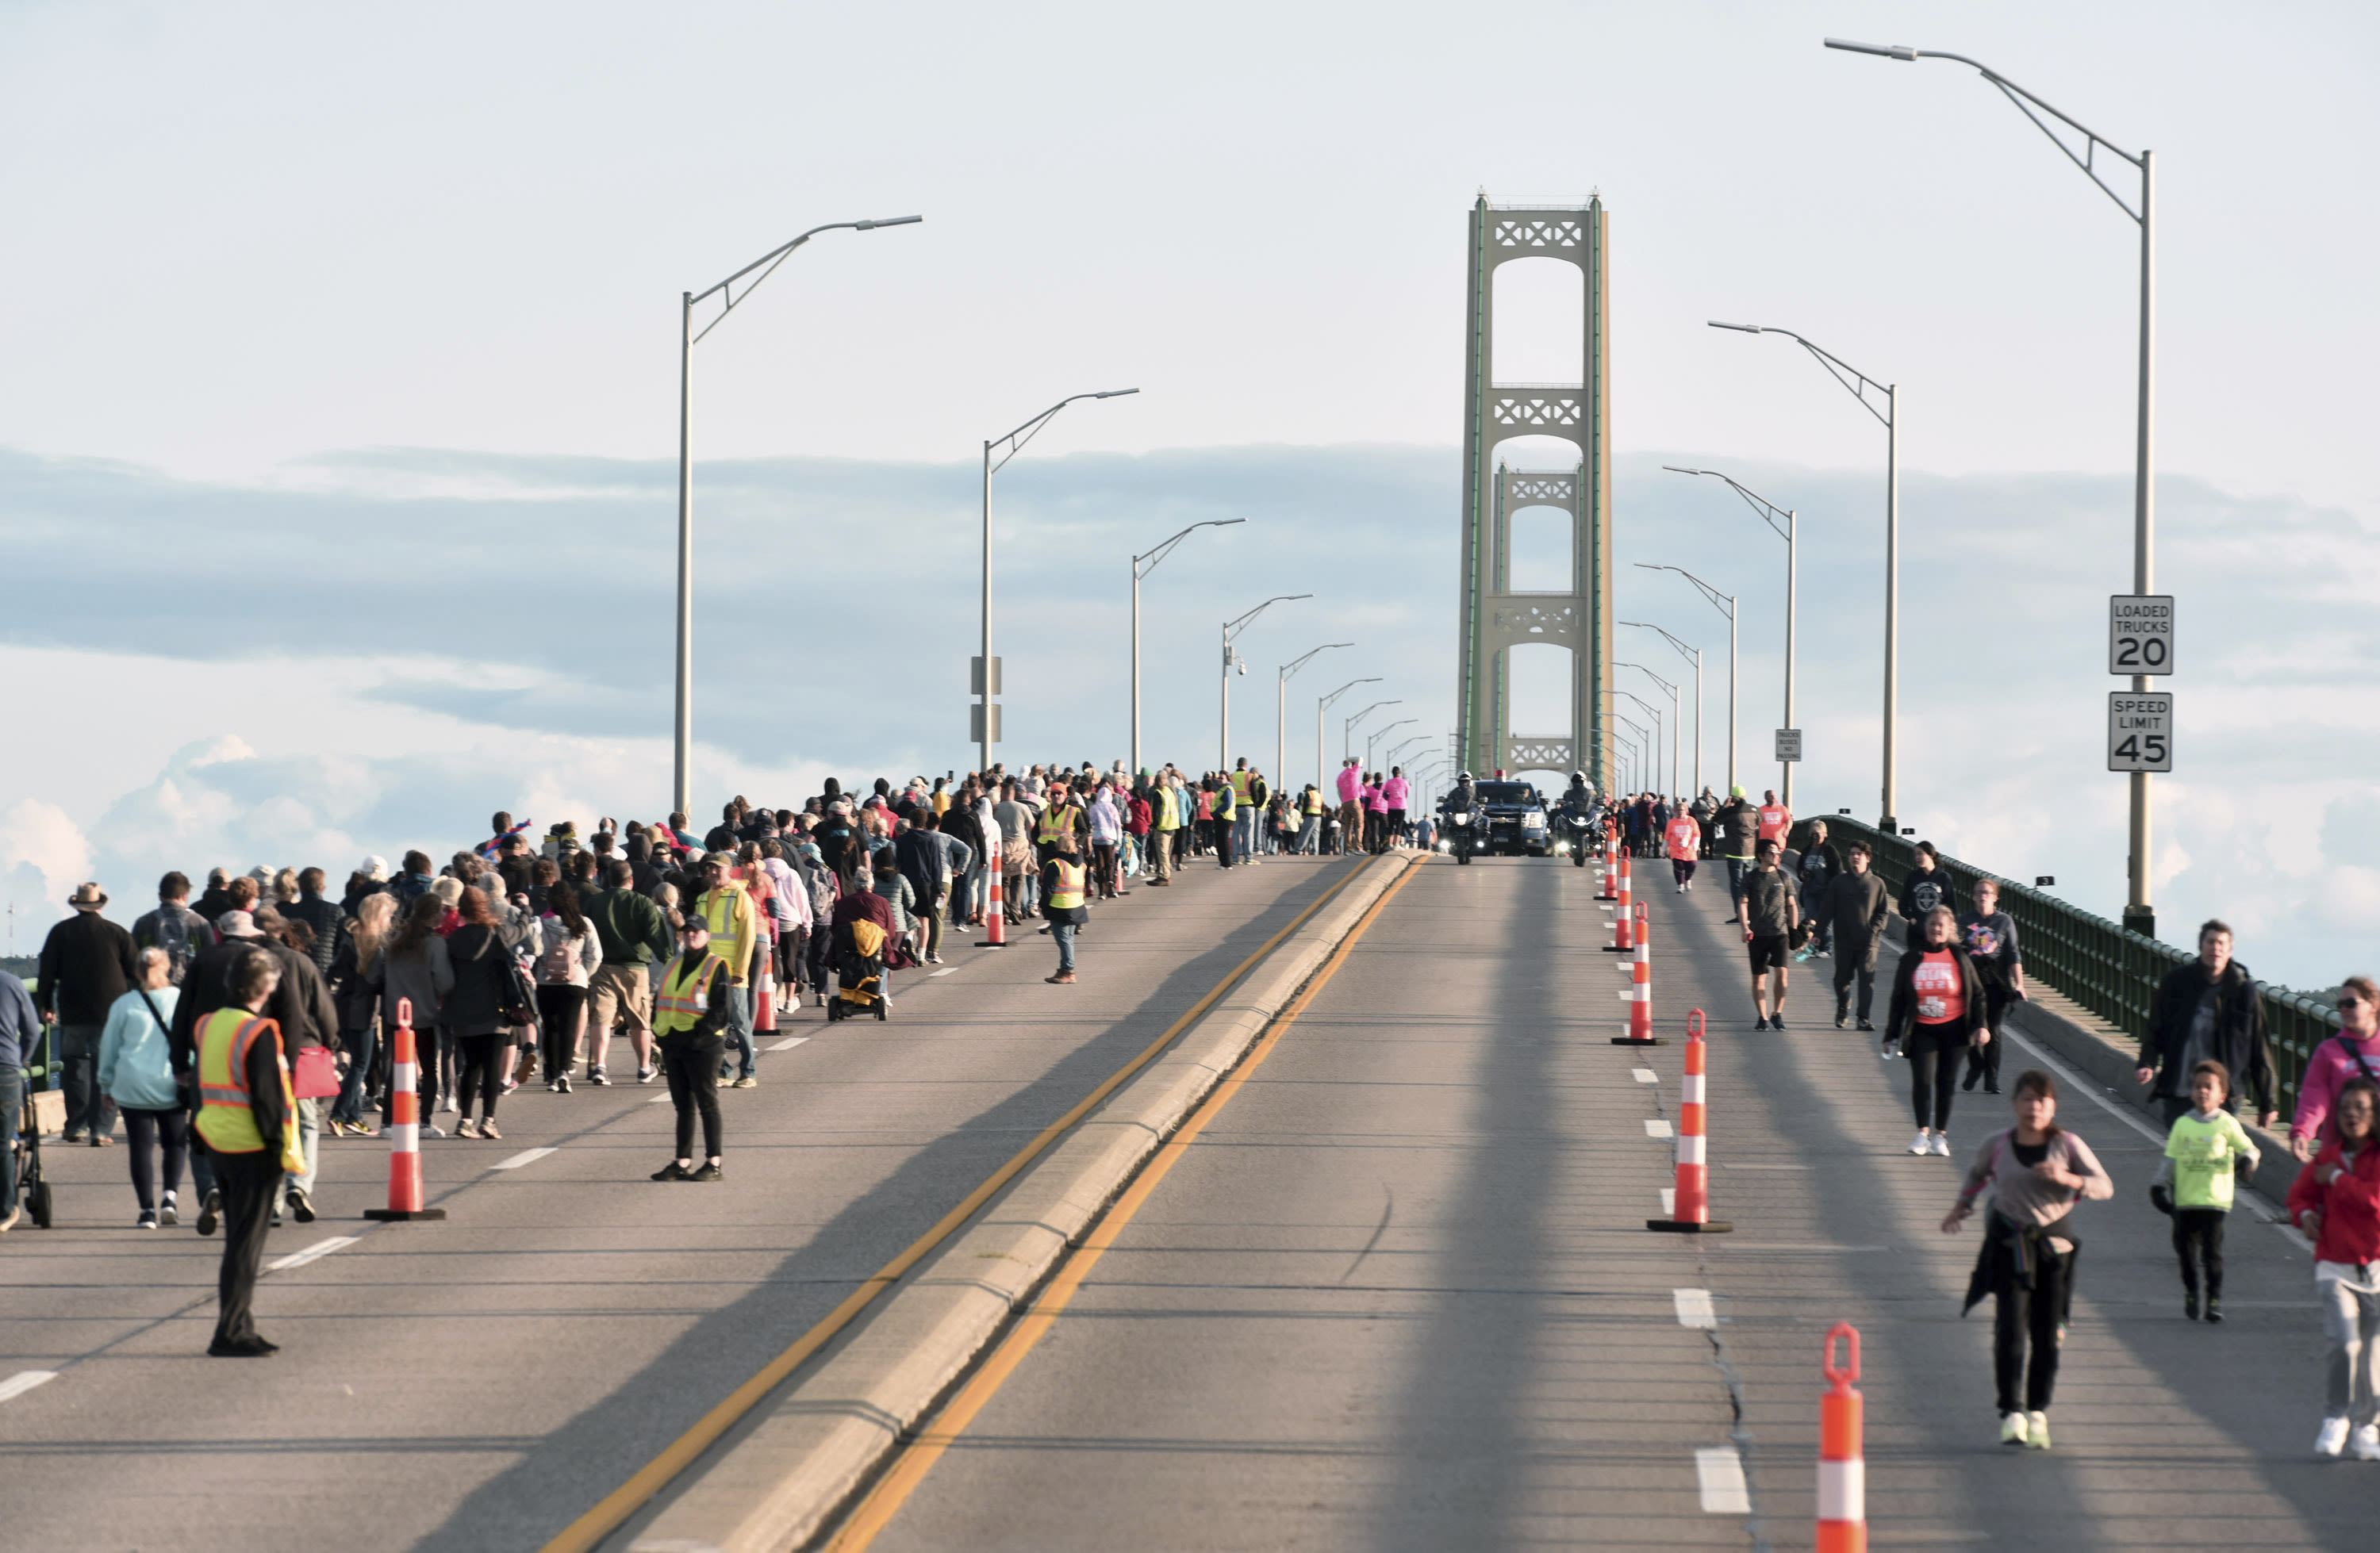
2104 967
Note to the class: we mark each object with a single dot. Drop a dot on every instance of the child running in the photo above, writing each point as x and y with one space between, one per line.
2337 1200
2037 1171
2202 1154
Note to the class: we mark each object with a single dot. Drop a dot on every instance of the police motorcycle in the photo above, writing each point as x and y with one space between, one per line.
1581 819
1461 820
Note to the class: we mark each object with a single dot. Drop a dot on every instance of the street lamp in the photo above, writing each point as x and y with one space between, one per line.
1373 743
1694 653
987 668
1397 749
1674 720
1858 382
1644 782
1280 716
1348 729
1781 522
1653 773
686 336
1320 705
1232 629
1725 605
2139 915
1141 566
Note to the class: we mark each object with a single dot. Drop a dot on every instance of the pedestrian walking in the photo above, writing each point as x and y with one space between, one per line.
1927 885
136 1069
2205 1151
2352 1053
1820 865
182 934
1738 825
86 964
2336 1199
20 1034
2037 1171
476 1015
414 968
690 1021
1684 841
569 953
1988 935
357 999
248 1124
1854 912
2207 1009
1937 1012
1769 910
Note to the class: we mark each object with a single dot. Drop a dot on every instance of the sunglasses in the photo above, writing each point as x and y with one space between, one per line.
2350 1000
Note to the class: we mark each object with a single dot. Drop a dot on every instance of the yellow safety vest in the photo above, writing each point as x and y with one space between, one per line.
685 996
1069 894
1240 785
1313 801
720 915
1225 802
1169 809
1057 821
226 1121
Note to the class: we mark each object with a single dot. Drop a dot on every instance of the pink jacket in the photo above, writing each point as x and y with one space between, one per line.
1395 790
2325 1071
1350 785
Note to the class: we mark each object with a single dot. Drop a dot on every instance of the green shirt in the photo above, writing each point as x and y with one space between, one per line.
2202 1150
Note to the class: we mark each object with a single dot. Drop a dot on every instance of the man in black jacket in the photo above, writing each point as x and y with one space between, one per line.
87 963
1854 911
323 917
925 864
2208 1007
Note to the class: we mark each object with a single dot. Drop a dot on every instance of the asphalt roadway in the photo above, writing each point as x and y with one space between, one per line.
478 1383
1398 1294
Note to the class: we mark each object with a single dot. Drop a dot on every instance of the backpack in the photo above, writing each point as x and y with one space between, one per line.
554 965
174 938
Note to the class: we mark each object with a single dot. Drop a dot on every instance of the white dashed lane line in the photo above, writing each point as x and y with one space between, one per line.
1668 1202
1694 1307
1719 1471
320 1249
1647 1075
525 1157
23 1381
788 1043
1655 1128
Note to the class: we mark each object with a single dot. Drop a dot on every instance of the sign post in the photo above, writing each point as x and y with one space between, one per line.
2140 730
2140 633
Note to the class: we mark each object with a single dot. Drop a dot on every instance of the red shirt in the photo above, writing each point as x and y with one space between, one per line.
1685 839
1775 821
1941 991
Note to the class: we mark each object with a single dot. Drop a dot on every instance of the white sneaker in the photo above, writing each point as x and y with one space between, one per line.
2367 1443
2012 1428
2036 1430
2333 1438
1921 1143
1942 1145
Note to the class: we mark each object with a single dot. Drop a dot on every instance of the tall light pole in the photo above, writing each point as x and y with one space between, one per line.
1232 629
1396 749
1322 704
1280 716
1373 741
1141 566
1695 654
1725 605
2139 915
1675 717
1781 522
987 668
682 771
1643 762
1653 773
1858 384
1348 729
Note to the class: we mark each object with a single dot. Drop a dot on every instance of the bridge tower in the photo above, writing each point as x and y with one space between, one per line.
1495 618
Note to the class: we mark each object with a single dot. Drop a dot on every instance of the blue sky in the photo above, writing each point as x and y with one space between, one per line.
337 452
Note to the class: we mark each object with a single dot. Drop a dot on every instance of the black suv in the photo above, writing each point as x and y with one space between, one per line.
1512 820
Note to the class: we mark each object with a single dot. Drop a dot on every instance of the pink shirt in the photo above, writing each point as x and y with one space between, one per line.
1395 790
1350 785
1372 799
2329 1068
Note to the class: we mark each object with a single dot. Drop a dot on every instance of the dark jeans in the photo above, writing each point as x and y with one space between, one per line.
1848 968
2198 1237
88 1108
12 1106
2029 1317
1983 1062
485 1061
363 1050
1932 1075
560 1010
1063 934
1683 872
247 1182
143 1130
1736 869
692 1067
1104 868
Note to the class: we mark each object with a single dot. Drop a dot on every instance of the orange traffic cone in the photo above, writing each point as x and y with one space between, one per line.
995 914
1842 1462
404 1127
1690 1203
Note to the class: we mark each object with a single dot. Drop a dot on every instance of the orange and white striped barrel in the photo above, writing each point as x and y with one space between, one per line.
764 989
404 1126
995 913
1610 891
1842 1462
1620 919
1640 979
1689 1201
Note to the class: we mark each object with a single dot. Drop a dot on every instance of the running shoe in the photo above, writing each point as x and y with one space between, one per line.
2367 1443
2189 1304
169 1211
2012 1428
301 1205
1942 1145
1865 1025
713 1173
747 1082
595 1075
646 1076
466 1129
672 1172
2214 1311
488 1128
2036 1430
431 1129
561 1085
2332 1437
1776 1020
1921 1143
1762 1023
211 1218
148 1220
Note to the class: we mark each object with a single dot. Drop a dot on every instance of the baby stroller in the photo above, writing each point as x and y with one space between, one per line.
859 948
32 1189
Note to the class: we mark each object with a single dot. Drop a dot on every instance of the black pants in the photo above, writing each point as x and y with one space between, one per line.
485 1061
1850 966
561 1009
1682 870
142 1130
2022 1318
692 1066
246 1182
1932 1070
2198 1236
1223 842
1983 1062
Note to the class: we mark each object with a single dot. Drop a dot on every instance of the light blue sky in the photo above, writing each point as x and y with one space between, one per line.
342 393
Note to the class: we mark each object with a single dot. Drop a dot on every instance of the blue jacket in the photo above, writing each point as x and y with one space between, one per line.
20 1026
136 1059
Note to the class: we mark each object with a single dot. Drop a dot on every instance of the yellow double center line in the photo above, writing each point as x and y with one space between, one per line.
614 1510
909 1469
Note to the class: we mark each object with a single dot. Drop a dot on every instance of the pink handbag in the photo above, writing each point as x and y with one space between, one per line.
315 1074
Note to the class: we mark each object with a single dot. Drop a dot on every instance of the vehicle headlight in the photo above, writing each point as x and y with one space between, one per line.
1533 822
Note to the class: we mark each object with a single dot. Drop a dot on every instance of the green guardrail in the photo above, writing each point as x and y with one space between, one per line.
2103 965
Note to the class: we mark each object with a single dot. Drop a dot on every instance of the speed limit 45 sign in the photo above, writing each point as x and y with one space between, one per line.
2140 633
2140 730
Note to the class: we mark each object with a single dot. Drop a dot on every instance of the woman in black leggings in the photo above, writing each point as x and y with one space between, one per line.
1938 1009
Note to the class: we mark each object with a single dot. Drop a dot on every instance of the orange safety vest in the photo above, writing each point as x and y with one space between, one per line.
226 1120
685 996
